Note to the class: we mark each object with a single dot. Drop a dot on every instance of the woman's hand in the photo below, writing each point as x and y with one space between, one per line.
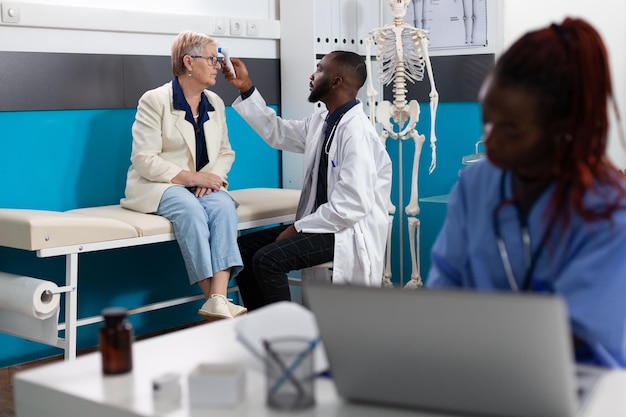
201 191
200 183
207 180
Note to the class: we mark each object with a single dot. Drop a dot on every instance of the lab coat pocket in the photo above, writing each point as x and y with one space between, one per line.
361 254
332 174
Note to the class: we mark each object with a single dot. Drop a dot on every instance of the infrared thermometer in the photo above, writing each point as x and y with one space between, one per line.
224 51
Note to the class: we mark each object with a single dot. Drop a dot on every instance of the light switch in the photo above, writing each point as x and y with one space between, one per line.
236 26
252 29
10 12
220 27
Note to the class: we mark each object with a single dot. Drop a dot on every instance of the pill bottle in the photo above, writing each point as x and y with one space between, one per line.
116 339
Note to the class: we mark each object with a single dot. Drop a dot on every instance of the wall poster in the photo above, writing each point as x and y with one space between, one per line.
450 23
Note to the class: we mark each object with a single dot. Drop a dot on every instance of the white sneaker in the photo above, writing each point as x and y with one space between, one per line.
216 308
236 310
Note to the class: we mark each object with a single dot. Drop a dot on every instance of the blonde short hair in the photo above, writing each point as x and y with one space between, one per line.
188 43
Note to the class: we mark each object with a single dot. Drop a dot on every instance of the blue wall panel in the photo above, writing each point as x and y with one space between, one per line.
60 160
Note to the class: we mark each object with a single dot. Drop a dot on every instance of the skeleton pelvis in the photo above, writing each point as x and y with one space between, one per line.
398 121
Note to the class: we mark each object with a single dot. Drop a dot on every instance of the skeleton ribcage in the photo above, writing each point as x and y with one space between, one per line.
388 63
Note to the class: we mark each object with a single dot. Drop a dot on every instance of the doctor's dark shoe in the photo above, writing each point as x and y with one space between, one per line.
236 310
215 308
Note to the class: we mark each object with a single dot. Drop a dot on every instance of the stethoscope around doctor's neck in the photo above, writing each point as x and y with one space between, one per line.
530 258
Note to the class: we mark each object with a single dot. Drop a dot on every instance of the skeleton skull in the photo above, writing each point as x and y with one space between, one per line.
398 8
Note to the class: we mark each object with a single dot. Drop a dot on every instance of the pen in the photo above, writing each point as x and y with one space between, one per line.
333 163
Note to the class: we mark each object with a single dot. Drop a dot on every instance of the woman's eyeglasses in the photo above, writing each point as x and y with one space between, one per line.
213 60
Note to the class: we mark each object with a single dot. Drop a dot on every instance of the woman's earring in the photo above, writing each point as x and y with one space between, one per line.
189 75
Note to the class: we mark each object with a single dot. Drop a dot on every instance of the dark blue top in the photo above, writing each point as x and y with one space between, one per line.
247 93
180 103
332 120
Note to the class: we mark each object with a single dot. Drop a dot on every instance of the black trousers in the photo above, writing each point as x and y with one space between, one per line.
266 262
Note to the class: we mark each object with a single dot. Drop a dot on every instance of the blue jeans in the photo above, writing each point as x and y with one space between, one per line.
206 231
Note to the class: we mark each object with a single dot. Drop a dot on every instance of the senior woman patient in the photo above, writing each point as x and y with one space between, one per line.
180 158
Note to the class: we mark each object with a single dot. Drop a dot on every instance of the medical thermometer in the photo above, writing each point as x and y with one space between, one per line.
224 51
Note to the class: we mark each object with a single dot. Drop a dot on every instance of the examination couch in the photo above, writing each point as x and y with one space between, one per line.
74 232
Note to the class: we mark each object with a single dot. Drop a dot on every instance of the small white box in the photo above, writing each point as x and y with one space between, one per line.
218 384
166 391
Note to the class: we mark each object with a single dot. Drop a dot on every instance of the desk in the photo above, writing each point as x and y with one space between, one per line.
77 388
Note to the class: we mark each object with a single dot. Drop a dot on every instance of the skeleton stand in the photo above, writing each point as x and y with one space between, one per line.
402 55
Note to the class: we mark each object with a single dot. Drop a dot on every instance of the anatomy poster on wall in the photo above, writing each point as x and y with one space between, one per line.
450 23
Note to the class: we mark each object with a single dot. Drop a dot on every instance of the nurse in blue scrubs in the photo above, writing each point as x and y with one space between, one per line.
546 211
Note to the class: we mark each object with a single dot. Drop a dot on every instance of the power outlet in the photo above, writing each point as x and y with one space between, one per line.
236 27
220 27
10 12
252 28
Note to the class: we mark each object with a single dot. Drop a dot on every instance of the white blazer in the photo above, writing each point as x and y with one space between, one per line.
164 144
359 184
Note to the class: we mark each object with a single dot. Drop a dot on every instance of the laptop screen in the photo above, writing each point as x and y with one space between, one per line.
498 354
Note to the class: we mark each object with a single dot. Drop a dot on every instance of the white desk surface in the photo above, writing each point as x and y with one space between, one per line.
78 389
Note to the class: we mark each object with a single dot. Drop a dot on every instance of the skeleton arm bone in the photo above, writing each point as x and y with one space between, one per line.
391 209
371 92
434 103
387 270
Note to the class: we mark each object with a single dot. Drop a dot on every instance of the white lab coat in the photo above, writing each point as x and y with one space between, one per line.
359 184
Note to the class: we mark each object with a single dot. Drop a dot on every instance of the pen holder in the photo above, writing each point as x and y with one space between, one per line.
290 373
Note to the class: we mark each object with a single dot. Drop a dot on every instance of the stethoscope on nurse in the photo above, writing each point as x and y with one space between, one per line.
530 257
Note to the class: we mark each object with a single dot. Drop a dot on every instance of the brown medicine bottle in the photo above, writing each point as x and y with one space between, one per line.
116 338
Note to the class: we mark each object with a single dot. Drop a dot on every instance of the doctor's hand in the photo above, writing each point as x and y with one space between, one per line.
242 82
290 231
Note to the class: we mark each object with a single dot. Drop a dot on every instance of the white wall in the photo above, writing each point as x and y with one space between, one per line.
608 17
138 27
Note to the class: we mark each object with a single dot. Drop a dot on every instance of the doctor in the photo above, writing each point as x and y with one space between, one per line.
342 213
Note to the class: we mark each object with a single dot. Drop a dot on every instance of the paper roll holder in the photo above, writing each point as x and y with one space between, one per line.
46 296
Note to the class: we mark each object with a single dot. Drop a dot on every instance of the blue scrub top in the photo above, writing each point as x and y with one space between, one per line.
585 262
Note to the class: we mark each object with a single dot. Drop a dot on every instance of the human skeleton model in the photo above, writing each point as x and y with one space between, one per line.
402 56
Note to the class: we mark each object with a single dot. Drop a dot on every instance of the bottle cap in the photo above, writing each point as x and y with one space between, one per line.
114 314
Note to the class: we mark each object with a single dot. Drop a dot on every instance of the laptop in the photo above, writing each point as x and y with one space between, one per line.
485 354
